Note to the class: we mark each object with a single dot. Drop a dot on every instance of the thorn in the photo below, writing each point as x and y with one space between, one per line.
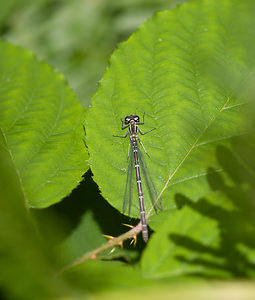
93 256
113 249
128 225
111 239
134 238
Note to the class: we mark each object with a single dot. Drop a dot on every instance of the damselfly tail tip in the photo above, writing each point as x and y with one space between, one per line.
145 238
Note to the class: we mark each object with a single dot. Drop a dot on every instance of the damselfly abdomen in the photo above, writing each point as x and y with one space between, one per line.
135 162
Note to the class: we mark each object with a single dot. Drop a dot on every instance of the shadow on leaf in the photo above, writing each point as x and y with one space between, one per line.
234 254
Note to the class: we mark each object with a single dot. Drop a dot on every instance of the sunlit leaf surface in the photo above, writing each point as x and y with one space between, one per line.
42 123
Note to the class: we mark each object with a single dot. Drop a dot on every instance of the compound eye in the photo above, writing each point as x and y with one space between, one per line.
136 118
127 120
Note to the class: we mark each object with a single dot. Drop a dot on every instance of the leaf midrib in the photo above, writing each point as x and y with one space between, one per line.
16 171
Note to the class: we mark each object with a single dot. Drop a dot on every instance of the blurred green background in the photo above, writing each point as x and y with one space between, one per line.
76 37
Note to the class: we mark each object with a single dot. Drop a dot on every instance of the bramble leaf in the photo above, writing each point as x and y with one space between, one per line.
190 71
42 122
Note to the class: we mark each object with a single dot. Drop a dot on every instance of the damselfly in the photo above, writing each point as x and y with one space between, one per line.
135 161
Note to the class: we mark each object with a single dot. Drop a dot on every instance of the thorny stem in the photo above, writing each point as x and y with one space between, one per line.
110 244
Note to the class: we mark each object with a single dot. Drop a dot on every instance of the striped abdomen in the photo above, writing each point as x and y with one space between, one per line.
139 189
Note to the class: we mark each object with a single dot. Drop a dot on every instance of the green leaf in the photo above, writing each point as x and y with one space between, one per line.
26 268
42 123
213 237
204 239
190 70
87 236
170 69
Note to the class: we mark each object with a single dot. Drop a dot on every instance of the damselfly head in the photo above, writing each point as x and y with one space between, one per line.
130 118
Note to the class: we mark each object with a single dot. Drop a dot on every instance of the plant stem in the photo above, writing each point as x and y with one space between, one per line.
110 244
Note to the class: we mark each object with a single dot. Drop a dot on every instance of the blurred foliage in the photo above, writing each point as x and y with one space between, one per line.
5 8
77 37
